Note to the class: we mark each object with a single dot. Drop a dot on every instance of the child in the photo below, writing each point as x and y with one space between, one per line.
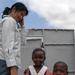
60 68
38 57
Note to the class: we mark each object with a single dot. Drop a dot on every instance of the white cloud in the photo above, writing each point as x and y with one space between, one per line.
59 13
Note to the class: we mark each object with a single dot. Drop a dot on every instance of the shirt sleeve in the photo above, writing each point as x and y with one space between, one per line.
8 41
47 72
27 72
23 33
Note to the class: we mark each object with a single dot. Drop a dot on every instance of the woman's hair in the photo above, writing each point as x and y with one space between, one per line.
36 50
19 6
6 11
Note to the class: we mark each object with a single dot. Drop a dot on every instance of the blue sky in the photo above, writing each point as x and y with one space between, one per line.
32 20
46 13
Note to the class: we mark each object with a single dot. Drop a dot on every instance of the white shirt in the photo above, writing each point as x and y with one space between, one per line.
11 38
33 71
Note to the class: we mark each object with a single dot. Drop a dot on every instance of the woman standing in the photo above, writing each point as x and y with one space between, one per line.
11 38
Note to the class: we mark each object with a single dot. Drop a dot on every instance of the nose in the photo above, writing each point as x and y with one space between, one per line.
38 59
58 73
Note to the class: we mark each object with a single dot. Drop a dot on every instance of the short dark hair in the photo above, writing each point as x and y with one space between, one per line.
38 49
61 62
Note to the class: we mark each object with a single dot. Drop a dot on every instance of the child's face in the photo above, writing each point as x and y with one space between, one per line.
60 69
38 58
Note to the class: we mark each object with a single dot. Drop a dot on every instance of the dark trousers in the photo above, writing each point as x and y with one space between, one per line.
4 70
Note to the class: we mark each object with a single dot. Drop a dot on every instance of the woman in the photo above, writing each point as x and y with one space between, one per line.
11 38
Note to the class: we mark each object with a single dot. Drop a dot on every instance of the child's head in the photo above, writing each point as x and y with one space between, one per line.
38 56
60 68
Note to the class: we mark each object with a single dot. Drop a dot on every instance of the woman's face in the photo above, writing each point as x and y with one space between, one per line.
18 15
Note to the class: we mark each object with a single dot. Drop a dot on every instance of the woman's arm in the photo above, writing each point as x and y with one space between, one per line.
13 70
24 32
8 32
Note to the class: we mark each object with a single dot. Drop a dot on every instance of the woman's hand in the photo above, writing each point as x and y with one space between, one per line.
22 22
13 70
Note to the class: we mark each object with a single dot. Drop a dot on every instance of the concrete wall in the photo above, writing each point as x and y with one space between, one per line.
58 45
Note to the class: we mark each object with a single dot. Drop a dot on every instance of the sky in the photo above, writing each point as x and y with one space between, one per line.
52 14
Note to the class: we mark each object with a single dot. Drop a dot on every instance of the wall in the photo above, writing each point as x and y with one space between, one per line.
58 45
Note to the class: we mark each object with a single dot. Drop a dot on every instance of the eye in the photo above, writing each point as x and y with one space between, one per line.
35 57
55 70
41 57
61 70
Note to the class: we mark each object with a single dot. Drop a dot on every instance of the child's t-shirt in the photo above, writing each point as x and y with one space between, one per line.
31 71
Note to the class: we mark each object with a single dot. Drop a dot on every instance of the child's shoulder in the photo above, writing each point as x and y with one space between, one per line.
30 66
47 70
44 67
27 71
